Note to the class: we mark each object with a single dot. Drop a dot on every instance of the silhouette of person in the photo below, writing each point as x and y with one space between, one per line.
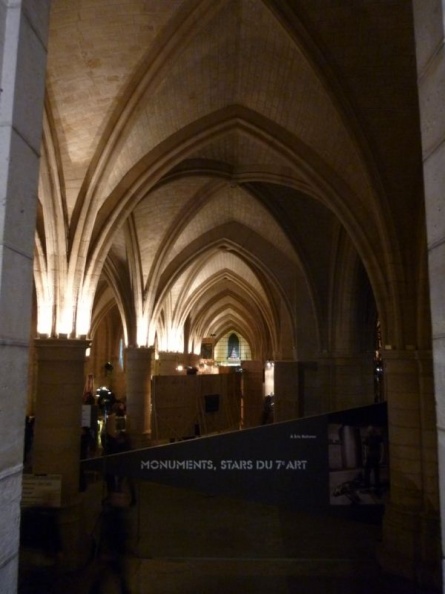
373 456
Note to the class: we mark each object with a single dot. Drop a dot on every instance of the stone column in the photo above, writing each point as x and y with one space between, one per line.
252 393
345 381
430 55
56 448
411 529
60 381
193 360
286 390
24 31
139 371
168 362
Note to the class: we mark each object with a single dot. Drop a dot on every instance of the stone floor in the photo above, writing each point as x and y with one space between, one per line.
173 541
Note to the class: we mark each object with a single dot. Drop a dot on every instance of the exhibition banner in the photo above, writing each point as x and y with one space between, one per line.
309 463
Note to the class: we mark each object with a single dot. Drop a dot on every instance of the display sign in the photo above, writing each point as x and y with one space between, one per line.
311 464
41 490
283 463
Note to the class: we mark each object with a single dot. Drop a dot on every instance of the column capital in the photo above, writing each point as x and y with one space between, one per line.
411 353
61 348
141 351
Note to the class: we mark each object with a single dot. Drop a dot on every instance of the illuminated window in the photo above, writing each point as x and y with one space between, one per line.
121 353
233 347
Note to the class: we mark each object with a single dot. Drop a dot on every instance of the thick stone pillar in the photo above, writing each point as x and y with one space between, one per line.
23 37
286 380
193 360
168 362
345 381
139 370
56 448
252 393
411 532
60 382
430 54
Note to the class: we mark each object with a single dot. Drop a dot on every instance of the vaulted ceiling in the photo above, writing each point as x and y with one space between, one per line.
211 166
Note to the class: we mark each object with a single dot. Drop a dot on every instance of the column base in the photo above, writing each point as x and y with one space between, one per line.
410 547
55 537
76 543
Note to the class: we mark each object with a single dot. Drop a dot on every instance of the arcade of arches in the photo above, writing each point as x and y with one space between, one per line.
253 171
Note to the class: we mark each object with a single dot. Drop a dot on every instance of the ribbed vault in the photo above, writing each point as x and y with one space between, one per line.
216 169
